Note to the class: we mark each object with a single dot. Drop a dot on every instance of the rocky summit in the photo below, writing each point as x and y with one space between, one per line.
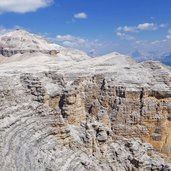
61 110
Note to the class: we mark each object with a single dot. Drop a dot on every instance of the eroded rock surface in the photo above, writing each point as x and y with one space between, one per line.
108 113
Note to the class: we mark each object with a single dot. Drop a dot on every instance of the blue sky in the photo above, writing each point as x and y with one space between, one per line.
97 26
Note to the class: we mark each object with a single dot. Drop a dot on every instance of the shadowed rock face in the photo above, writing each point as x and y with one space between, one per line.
9 53
108 113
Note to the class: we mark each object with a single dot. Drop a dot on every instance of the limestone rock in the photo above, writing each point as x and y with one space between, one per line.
108 113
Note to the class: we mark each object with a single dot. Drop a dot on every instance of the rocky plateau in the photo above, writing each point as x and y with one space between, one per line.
61 110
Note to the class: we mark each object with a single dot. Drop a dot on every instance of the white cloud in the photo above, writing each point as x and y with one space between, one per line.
124 32
138 42
127 29
23 6
70 40
140 27
169 34
120 34
147 26
163 25
155 42
81 15
168 37
90 46
76 42
124 36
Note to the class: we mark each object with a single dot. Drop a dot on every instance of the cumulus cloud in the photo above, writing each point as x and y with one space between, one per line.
81 15
124 36
147 26
90 46
140 27
125 31
23 6
70 40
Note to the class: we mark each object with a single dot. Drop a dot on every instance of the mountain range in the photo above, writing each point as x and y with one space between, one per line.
163 57
62 110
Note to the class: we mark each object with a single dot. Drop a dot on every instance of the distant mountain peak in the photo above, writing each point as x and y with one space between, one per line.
24 40
163 57
20 41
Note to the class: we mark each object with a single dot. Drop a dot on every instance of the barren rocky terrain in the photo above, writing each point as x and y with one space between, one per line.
61 110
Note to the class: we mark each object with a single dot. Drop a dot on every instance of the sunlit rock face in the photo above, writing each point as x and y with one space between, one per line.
20 42
107 113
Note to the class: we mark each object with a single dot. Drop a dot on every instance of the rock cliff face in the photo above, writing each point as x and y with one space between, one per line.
106 113
9 53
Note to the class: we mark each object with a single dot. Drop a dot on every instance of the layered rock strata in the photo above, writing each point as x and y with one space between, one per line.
108 113
9 53
92 124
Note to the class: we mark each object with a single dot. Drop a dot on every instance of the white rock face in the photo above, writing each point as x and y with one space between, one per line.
70 112
21 41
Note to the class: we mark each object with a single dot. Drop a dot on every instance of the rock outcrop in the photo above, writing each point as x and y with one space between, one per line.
107 113
21 42
9 53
